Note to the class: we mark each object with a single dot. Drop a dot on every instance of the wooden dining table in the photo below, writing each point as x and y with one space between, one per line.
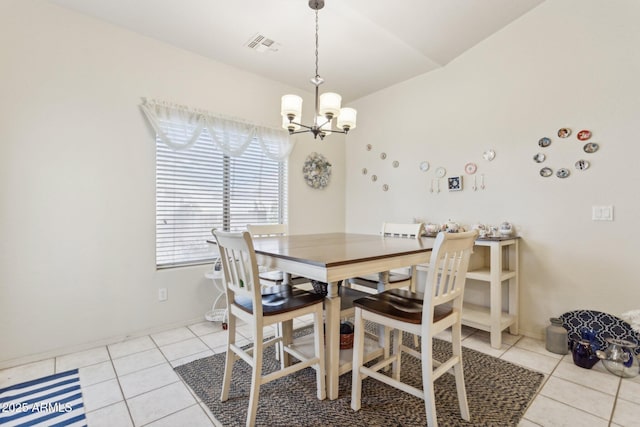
336 257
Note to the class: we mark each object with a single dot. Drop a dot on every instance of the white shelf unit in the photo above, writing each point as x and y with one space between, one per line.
495 261
218 312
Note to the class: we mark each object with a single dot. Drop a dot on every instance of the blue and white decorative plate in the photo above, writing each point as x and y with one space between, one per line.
605 325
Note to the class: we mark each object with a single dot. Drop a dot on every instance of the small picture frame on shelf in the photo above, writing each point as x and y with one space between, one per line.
455 183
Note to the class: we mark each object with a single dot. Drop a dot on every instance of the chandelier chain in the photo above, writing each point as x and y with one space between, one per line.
317 27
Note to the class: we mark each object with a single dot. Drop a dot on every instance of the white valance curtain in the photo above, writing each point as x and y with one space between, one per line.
180 127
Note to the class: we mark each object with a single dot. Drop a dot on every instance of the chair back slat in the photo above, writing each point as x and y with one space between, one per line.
448 268
412 231
265 230
240 273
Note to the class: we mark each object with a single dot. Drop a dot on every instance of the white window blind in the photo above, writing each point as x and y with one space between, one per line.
200 188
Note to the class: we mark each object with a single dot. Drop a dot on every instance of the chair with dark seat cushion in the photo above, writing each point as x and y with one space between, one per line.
425 315
248 301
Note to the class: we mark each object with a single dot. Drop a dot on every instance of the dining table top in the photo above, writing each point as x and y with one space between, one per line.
337 249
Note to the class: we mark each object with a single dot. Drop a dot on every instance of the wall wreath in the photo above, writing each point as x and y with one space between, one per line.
316 171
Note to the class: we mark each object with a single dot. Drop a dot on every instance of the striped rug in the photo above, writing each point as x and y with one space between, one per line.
55 400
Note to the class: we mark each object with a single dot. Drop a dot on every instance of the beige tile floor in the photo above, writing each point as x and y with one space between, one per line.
132 383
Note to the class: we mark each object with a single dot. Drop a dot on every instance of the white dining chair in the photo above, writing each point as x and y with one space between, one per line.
398 278
425 315
248 302
269 277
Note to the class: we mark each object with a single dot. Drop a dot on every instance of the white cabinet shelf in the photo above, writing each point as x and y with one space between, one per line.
484 274
494 261
479 317
218 312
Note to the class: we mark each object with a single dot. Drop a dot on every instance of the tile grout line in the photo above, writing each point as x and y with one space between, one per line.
615 401
126 403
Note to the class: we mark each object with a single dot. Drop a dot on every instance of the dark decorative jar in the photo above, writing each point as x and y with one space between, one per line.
556 337
583 354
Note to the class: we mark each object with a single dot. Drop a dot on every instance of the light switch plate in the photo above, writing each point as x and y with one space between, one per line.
602 213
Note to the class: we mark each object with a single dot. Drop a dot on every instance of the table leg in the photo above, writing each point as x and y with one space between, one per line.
332 338
384 333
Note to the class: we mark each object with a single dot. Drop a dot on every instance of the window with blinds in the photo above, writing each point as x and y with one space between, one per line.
200 188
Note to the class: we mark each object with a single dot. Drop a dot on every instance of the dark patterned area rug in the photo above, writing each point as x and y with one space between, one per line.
498 393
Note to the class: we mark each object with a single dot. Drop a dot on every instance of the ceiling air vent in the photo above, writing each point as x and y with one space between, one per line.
260 43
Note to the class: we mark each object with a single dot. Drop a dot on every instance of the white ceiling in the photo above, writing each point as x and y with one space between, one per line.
365 45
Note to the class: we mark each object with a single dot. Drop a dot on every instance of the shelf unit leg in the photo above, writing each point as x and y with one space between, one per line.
513 287
496 295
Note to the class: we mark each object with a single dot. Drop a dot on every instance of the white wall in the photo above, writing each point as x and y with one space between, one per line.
567 63
77 169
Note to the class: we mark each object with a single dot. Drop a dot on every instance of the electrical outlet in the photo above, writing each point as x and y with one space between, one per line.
162 294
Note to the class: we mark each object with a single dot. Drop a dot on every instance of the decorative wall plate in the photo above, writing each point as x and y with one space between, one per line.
364 171
539 158
369 147
605 325
316 171
374 178
546 172
470 168
424 166
385 187
440 172
582 165
489 155
562 173
591 147
395 163
544 142
564 132
455 183
383 156
583 135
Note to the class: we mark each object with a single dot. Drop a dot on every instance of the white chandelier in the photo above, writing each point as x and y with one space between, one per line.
327 104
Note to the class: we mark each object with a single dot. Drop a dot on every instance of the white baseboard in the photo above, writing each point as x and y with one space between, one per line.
24 360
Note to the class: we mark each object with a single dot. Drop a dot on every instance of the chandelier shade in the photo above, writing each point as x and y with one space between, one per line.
327 105
291 106
347 118
330 104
